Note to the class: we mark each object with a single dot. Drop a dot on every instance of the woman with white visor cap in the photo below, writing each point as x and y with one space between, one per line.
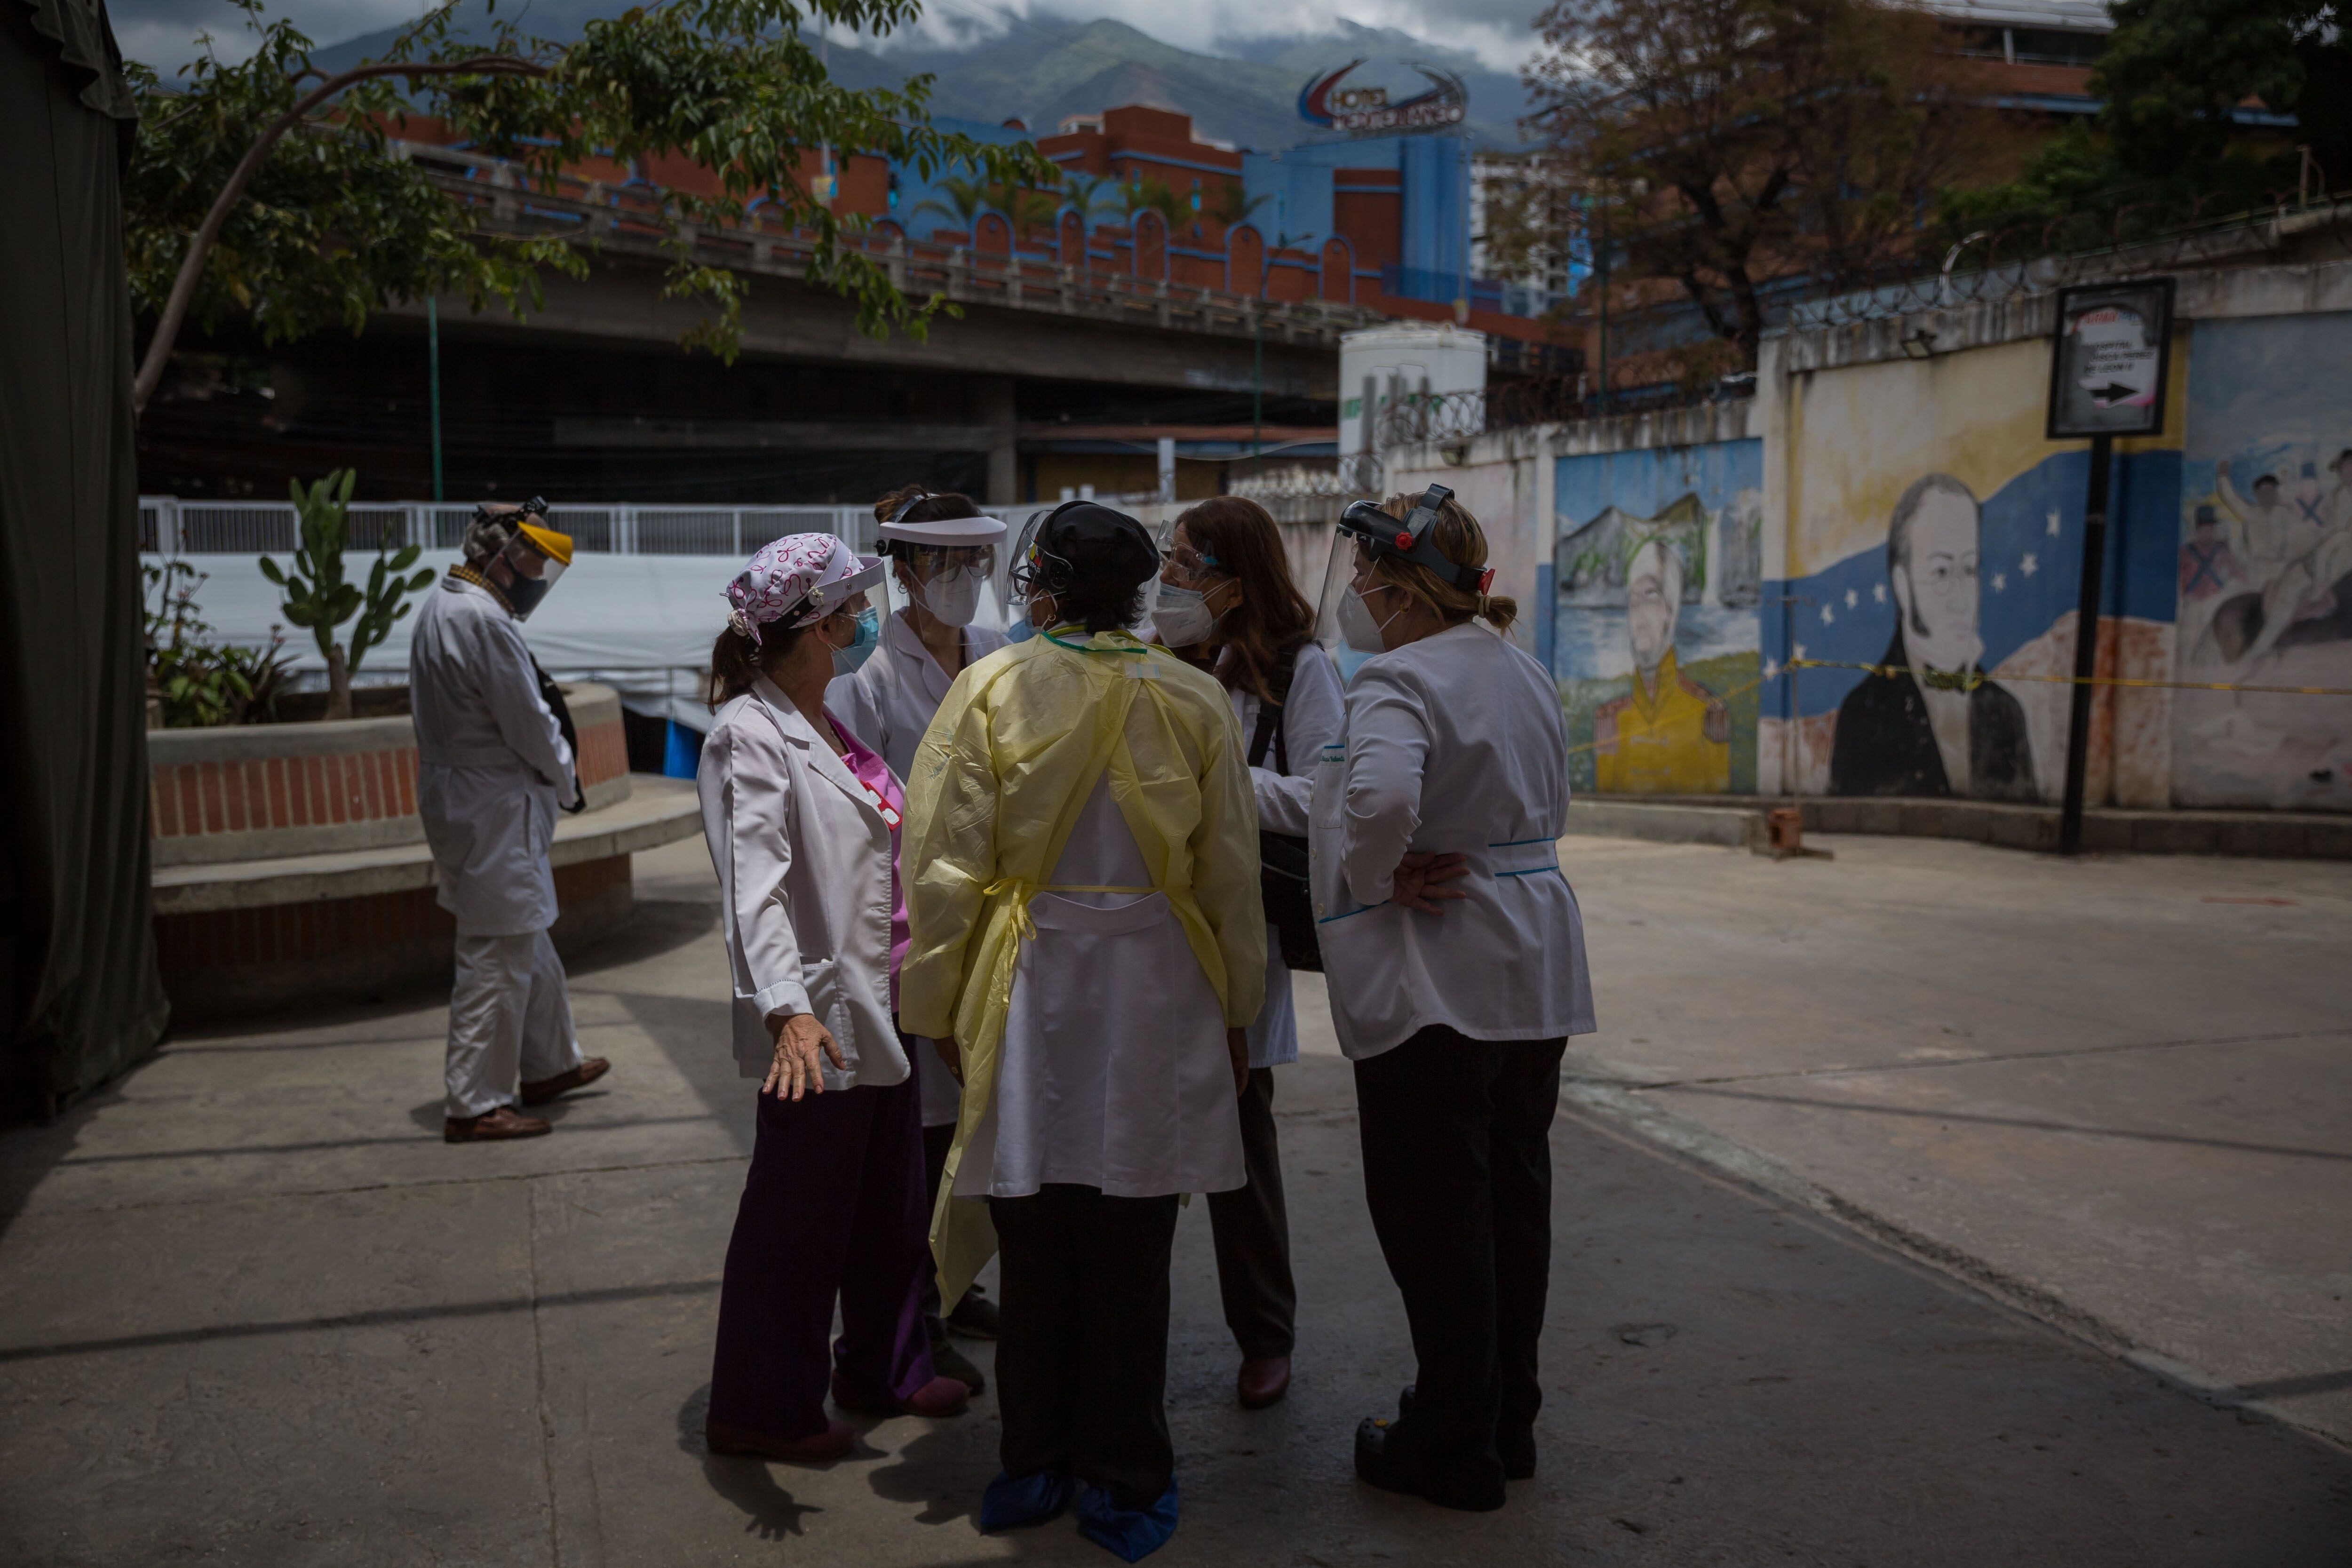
1454 957
802 823
942 551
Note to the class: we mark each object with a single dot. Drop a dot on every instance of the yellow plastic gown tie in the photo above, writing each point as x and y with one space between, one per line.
1021 892
1003 771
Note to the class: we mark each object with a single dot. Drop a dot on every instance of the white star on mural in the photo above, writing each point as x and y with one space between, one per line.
1771 670
1852 598
2054 524
1801 651
1999 583
1878 592
1829 616
2029 566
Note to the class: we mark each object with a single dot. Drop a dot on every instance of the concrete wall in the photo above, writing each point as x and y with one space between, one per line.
2204 579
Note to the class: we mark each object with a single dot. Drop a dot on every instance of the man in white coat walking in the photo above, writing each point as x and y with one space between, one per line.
493 768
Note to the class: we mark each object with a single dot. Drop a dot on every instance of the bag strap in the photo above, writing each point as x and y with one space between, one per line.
1269 727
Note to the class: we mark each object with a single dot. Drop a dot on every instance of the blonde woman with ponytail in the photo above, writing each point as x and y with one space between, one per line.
1455 955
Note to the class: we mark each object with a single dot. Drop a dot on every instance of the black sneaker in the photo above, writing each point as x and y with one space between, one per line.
1384 1459
974 1316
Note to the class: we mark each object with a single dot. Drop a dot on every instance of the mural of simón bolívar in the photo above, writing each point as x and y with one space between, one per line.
1930 723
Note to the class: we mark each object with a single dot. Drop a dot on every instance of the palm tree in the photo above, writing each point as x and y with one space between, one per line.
1088 193
1027 208
967 199
1148 194
1232 209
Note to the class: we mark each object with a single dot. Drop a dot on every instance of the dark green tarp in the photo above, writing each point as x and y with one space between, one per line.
79 998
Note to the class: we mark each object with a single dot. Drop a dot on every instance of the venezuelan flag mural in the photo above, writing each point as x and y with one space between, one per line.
1934 558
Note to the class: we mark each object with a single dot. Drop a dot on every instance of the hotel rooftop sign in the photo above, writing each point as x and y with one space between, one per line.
1366 111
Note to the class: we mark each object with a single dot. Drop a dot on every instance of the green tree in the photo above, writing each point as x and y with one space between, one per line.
1230 207
317 595
1148 193
965 201
2168 144
1725 146
268 192
1090 193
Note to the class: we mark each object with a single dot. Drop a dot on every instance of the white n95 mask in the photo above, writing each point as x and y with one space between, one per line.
1182 615
952 598
1358 630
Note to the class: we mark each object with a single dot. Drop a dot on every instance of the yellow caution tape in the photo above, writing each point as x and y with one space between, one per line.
1974 679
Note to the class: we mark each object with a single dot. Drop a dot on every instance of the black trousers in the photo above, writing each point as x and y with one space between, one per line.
1082 1352
1252 1235
1457 1175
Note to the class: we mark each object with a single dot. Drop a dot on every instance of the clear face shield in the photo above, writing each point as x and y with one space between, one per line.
534 559
946 580
1339 607
1023 568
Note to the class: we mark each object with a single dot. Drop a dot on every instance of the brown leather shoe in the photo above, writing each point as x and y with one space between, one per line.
492 1127
1262 1380
817 1448
590 1070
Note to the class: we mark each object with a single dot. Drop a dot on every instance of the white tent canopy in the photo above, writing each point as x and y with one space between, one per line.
640 624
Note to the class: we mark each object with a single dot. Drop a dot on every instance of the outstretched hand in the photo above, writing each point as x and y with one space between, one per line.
1418 876
798 1040
952 1054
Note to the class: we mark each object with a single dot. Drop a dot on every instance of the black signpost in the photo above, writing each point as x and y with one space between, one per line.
2111 353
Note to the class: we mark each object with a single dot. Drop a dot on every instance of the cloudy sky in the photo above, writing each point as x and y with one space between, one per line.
162 32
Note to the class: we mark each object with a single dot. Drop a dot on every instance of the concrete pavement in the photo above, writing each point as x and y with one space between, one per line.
253 1312
2118 1091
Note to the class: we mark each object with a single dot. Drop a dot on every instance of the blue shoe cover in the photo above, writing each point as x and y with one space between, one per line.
1009 1504
1131 1534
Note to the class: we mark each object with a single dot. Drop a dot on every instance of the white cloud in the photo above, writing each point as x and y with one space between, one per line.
162 33
1497 31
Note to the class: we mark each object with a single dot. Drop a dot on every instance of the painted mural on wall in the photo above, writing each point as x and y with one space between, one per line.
2264 570
1656 580
1935 560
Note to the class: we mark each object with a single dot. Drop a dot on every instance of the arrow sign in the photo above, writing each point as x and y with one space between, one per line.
2107 362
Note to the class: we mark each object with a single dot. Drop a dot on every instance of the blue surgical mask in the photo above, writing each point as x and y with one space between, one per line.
1020 631
845 660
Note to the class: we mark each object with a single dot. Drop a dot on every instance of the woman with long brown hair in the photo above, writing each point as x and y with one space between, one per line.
803 824
1225 602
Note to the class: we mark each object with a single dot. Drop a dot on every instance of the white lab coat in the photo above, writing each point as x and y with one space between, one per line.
1315 716
889 701
492 766
1454 743
887 704
1113 1072
803 863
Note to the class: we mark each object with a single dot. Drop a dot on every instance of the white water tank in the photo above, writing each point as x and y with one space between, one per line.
1383 365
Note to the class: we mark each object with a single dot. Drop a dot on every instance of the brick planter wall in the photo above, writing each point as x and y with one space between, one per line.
283 795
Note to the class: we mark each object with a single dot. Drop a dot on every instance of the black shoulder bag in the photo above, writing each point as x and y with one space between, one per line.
552 695
1282 858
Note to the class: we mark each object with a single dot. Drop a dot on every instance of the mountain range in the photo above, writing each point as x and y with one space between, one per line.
1041 70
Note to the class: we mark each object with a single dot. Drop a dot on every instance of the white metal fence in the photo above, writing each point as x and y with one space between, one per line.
170 526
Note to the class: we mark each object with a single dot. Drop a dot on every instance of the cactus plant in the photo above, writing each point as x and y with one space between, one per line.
316 595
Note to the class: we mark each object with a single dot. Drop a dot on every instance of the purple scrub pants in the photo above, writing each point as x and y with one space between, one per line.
833 1206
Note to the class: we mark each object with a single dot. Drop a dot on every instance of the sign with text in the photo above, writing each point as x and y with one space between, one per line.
2109 360
1365 111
